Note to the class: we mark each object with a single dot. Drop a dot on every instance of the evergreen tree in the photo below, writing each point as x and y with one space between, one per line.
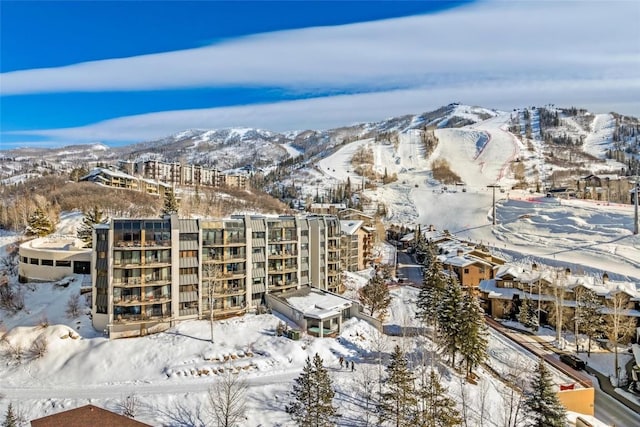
542 406
170 204
591 320
449 318
85 232
527 315
398 402
313 396
10 419
39 224
433 285
435 408
473 334
375 297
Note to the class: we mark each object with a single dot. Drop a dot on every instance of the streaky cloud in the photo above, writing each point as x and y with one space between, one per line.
336 111
583 40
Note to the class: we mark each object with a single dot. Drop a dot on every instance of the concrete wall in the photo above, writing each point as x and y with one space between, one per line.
286 310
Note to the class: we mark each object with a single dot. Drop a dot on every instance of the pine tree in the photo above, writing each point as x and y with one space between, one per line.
542 406
435 408
591 320
375 297
473 334
527 315
313 396
170 204
10 419
433 285
39 224
449 319
398 402
91 218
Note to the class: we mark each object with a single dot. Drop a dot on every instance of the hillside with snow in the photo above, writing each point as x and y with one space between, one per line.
172 371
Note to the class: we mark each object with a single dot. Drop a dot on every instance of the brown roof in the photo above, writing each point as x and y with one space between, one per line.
87 415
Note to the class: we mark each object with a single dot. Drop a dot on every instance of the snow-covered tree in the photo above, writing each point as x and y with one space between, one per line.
449 318
85 231
170 205
435 407
527 314
433 286
473 333
398 401
375 297
312 404
10 418
39 224
591 319
541 405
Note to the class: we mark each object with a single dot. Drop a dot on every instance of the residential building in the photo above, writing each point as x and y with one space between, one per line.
88 415
150 273
502 296
470 263
183 174
355 245
47 259
119 179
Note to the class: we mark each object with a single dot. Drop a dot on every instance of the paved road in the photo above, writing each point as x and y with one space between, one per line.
408 269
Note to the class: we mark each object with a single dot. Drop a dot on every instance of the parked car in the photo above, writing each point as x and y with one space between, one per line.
573 361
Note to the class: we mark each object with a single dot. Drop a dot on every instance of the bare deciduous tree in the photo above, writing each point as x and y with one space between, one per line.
39 347
129 405
73 306
619 326
227 402
365 382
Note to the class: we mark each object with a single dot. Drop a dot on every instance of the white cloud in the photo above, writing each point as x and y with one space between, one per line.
328 112
494 40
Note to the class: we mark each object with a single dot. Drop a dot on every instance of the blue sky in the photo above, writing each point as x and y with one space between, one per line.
118 72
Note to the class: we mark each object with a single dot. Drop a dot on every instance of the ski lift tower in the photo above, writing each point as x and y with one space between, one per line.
493 215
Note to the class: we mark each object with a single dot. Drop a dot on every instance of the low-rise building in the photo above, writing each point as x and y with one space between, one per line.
502 296
48 259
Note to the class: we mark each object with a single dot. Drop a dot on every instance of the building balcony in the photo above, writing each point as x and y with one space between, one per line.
282 285
157 262
127 282
157 281
219 292
134 300
139 318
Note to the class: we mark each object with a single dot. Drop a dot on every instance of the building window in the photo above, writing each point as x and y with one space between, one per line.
466 271
63 263
47 262
33 261
25 259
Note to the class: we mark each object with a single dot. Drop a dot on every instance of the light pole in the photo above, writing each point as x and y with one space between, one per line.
493 204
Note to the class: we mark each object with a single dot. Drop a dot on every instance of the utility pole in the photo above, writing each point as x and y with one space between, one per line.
493 215
635 211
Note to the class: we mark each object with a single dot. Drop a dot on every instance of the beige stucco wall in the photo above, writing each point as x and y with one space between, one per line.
580 400
54 249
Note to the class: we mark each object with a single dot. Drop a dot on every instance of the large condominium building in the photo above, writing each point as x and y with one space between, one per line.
150 273
183 174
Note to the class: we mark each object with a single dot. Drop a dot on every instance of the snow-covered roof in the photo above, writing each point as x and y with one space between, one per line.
350 226
317 304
